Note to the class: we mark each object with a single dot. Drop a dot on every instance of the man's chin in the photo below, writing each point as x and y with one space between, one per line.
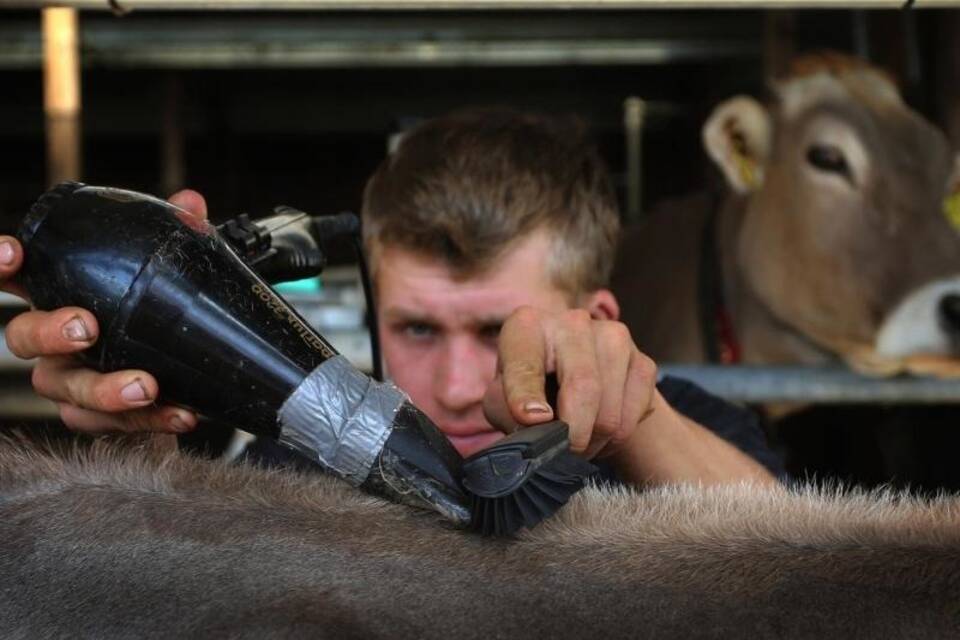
468 445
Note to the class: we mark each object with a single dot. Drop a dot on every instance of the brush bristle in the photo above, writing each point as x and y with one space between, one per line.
537 498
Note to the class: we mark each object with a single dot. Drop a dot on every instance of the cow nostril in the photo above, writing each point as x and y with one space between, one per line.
950 312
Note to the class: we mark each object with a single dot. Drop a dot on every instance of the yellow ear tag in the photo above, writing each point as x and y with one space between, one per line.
747 169
951 209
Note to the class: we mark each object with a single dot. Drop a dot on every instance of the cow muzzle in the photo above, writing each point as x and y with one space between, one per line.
922 334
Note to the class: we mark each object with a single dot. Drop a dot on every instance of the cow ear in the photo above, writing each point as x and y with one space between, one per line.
737 138
951 199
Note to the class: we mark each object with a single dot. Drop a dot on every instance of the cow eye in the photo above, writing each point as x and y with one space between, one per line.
827 157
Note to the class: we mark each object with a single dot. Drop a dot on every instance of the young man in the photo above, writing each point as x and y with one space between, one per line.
491 236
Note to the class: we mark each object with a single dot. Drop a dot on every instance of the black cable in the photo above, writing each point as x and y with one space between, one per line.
348 224
372 324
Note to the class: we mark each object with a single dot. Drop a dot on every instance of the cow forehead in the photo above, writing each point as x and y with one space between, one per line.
863 86
897 137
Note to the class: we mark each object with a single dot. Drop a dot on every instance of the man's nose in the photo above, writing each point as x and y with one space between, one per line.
462 377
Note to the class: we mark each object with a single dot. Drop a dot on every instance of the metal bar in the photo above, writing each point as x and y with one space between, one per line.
447 5
634 109
109 50
754 384
411 54
861 35
173 172
912 47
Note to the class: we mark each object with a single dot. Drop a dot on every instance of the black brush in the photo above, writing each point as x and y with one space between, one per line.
523 479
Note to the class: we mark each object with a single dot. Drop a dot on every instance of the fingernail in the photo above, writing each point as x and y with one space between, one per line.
75 331
535 406
178 424
6 253
134 392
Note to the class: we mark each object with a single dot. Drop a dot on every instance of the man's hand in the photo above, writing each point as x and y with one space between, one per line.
606 385
89 401
608 397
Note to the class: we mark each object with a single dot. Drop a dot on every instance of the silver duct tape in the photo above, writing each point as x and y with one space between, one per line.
340 418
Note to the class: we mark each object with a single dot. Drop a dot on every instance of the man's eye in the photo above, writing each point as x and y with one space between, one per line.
419 330
490 331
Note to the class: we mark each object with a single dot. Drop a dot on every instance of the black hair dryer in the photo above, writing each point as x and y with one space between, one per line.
172 298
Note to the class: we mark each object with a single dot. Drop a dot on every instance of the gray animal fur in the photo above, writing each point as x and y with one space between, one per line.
113 542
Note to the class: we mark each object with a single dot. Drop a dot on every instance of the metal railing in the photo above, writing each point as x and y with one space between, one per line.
820 385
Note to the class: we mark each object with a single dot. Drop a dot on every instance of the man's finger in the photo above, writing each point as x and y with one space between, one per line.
614 348
522 361
60 379
191 202
496 409
638 392
165 419
579 378
192 210
39 333
11 257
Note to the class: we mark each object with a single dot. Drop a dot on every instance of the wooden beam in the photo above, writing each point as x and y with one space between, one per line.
61 93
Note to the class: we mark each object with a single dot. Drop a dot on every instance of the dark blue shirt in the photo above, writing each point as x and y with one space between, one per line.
737 425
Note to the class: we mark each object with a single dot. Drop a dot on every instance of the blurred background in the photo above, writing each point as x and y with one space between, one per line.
255 107
259 108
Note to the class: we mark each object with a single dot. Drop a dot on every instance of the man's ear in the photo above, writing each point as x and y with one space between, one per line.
601 304
737 136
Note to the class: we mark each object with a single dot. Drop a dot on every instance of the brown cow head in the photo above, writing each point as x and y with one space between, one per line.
845 236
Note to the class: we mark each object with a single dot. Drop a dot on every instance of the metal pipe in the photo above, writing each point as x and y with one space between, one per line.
911 44
172 158
634 110
861 35
120 6
201 47
830 385
61 93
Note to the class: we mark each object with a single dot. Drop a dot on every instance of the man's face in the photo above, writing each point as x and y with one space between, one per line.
439 333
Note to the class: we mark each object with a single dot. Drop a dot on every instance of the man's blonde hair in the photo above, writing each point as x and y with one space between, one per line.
466 186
